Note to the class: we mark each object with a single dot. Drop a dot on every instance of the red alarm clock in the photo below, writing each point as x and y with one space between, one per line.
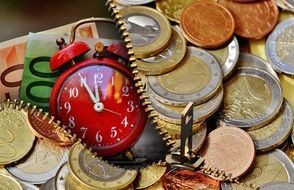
97 99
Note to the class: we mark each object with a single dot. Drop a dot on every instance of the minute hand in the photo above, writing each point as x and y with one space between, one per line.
94 99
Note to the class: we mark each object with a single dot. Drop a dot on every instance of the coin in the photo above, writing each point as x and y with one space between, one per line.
59 179
207 24
149 176
28 186
9 183
277 185
279 49
196 79
94 173
149 30
188 180
227 56
133 2
274 134
174 130
198 139
43 127
289 150
229 149
250 60
42 164
252 99
250 23
16 138
48 185
156 186
166 60
268 167
201 112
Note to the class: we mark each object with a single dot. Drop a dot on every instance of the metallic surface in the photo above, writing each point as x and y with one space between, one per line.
196 79
133 2
201 112
251 23
250 60
94 173
275 133
252 99
279 47
188 180
59 179
149 176
16 138
48 185
28 186
149 30
42 164
166 60
9 183
229 149
277 185
268 167
227 56
207 24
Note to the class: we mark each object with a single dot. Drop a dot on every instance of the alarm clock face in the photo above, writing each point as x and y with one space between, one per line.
98 101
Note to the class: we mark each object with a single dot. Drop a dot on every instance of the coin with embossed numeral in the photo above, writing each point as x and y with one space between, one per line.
252 99
279 47
196 79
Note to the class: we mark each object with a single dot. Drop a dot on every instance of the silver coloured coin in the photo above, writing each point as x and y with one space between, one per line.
166 60
42 164
277 186
48 185
133 2
280 47
252 98
227 56
59 179
28 186
200 112
250 60
284 5
268 167
274 134
292 135
289 3
197 79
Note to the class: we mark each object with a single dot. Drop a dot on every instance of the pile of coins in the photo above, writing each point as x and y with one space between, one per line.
237 96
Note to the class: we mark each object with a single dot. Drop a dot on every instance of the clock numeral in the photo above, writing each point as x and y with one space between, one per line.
113 132
125 121
73 92
84 130
131 106
125 90
67 106
98 78
71 123
98 137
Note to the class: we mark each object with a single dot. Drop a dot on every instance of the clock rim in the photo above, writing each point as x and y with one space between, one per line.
140 121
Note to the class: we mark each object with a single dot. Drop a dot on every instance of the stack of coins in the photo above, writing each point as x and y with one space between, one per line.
237 95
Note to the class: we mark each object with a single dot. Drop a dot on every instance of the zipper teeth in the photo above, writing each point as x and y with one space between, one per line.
117 17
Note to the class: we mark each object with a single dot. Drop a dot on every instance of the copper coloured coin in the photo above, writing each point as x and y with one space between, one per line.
207 24
42 127
188 180
229 149
253 20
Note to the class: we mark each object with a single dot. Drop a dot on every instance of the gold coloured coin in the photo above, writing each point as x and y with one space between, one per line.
151 175
9 183
16 138
149 30
201 112
196 80
275 133
97 174
252 99
166 60
42 164
268 167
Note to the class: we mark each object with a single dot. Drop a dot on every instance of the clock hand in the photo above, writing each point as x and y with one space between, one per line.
84 82
97 93
112 111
